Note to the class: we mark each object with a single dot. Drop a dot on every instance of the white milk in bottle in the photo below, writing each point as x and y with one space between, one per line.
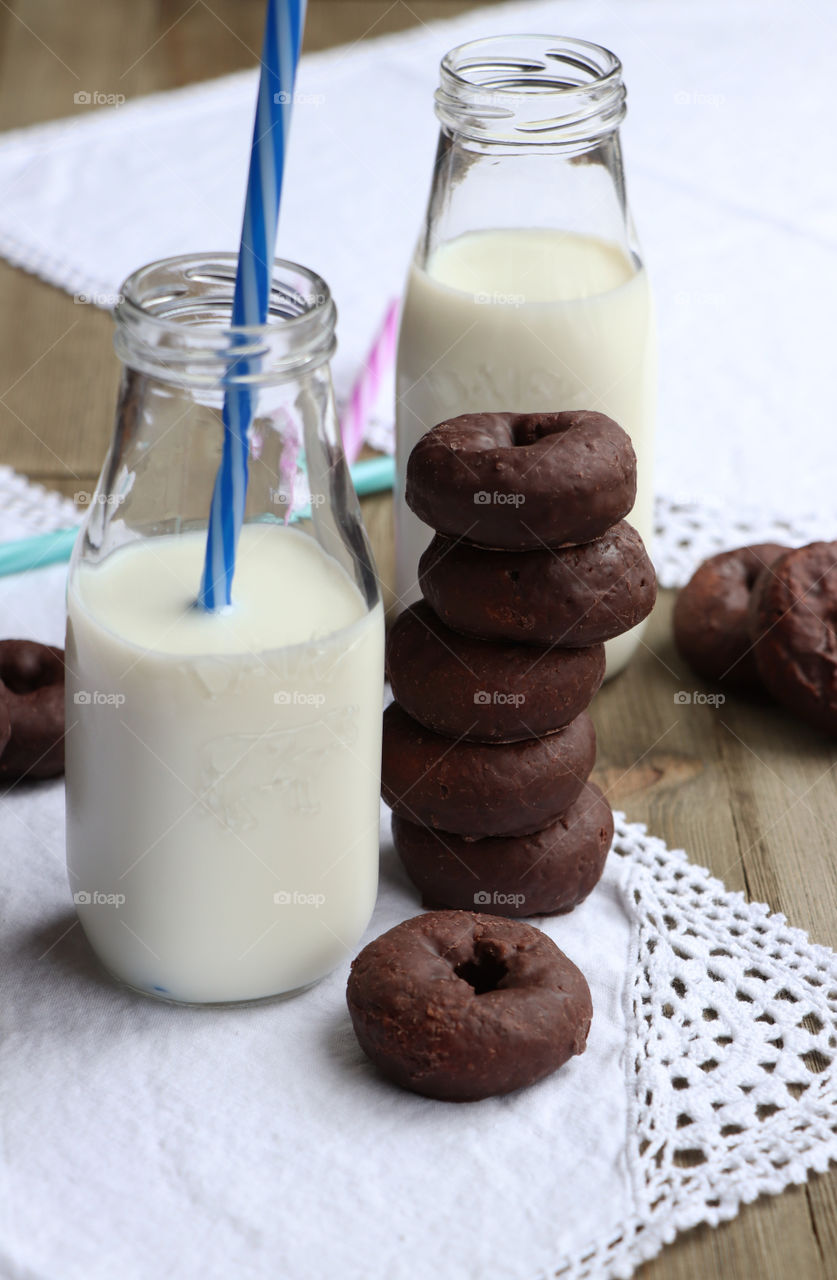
223 794
526 320
527 292
223 768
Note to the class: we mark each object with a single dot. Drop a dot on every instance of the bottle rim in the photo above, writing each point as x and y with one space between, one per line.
525 90
173 322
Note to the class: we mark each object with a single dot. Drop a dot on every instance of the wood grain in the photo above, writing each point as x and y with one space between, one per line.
747 791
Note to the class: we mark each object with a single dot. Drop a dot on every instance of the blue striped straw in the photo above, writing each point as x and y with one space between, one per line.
280 54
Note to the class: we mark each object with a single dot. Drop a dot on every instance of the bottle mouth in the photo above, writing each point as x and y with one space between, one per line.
173 321
531 90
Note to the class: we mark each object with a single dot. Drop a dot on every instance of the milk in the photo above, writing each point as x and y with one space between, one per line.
222 770
524 320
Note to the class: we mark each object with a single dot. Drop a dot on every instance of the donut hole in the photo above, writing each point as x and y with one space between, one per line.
529 428
484 972
21 678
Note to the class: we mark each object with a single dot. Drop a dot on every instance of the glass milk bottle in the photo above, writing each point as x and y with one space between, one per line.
527 291
223 769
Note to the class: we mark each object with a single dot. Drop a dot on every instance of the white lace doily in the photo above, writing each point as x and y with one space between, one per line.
730 1063
27 508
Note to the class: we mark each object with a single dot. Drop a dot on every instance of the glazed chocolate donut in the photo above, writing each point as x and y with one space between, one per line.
544 874
32 692
570 597
793 627
711 615
460 1006
486 692
523 480
482 789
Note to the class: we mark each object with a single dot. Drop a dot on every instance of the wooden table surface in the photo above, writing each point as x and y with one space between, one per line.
748 792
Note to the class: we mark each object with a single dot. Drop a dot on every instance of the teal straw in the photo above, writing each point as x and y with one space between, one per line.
36 552
373 475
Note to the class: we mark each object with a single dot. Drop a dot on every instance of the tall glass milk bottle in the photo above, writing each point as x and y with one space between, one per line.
527 291
223 769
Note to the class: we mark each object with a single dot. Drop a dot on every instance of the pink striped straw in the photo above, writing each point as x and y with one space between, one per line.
367 386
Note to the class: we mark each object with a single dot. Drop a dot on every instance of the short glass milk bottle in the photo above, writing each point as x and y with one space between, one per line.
527 291
223 768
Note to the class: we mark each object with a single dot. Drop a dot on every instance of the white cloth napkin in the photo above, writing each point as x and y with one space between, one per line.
141 1140
731 113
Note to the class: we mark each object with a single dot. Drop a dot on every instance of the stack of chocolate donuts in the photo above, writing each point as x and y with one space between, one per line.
488 746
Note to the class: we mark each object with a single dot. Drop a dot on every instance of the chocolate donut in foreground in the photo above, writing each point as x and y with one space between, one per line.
712 615
523 480
460 1006
483 789
32 695
547 873
793 628
486 691
572 596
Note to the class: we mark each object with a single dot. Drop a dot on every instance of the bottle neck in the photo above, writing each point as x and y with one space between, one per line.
173 324
513 93
529 140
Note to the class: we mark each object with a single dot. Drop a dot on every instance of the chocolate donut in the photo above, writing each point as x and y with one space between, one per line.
547 873
523 480
793 627
460 1006
483 691
32 693
711 615
483 789
570 597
